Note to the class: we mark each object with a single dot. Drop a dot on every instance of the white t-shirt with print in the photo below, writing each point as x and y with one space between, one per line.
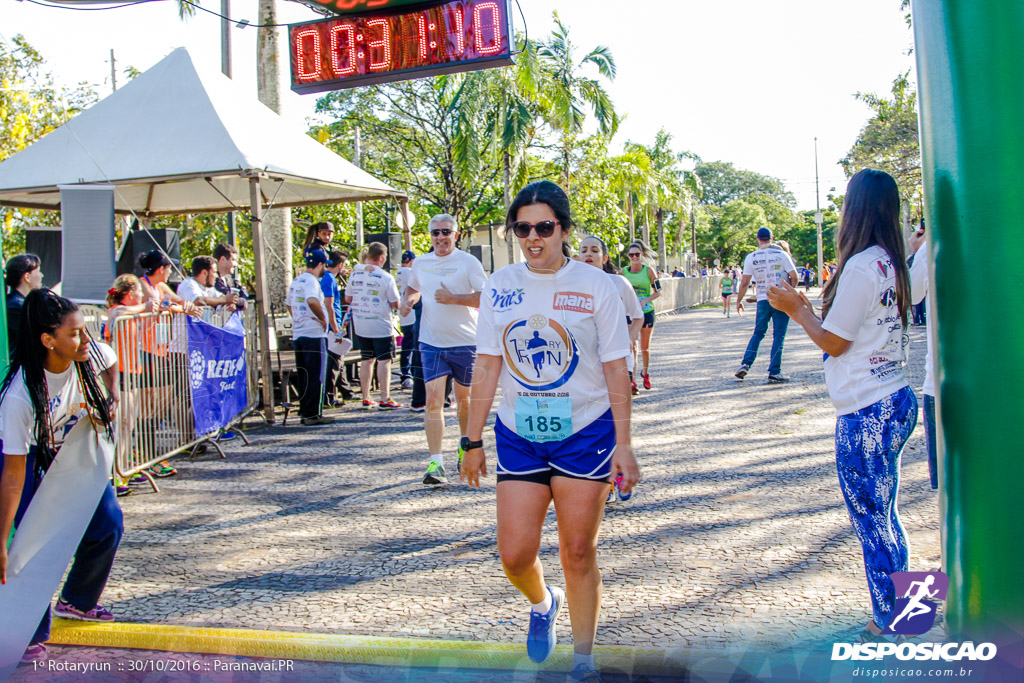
18 417
553 332
402 280
447 325
768 266
864 312
918 292
304 322
373 292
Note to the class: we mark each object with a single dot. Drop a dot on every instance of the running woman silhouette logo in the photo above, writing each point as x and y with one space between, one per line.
915 610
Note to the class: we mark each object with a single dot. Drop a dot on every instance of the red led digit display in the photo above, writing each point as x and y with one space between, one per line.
379 48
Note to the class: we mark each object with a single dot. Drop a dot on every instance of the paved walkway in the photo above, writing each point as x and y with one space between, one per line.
738 533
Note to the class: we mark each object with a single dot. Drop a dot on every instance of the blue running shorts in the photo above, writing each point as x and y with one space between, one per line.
587 454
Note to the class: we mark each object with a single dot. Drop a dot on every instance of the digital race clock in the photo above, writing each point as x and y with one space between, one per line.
380 47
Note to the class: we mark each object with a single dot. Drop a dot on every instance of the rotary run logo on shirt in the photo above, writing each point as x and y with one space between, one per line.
540 352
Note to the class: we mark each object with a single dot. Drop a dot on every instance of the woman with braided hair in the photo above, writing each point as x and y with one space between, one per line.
49 386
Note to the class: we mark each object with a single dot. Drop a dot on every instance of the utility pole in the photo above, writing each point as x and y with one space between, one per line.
225 67
113 70
357 157
818 217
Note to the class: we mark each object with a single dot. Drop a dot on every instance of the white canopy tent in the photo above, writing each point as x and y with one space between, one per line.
178 140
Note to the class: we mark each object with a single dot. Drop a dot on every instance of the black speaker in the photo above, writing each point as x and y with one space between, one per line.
393 241
46 244
141 241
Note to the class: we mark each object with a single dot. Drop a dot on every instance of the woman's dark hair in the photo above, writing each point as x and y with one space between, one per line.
152 260
543 192
17 267
44 312
608 266
871 216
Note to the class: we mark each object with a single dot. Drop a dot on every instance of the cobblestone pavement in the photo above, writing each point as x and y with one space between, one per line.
738 533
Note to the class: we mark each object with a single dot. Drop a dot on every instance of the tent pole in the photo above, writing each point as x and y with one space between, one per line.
406 228
262 297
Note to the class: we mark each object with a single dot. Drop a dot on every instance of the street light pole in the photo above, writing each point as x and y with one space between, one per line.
818 217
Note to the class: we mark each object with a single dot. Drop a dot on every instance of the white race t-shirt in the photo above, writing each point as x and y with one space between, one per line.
372 292
768 267
628 297
402 280
190 290
18 417
918 291
304 323
864 312
447 325
553 332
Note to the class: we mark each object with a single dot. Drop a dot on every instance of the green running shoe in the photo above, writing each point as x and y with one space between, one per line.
435 475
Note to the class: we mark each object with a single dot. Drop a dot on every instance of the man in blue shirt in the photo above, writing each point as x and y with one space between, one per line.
333 286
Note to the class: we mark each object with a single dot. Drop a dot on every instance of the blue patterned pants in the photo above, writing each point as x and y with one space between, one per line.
869 445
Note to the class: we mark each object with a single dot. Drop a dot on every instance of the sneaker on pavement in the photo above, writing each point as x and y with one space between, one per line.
777 379
611 496
407 383
435 475
226 436
583 673
742 372
318 420
369 405
388 405
122 491
417 409
161 469
636 392
618 490
541 639
36 652
68 611
647 381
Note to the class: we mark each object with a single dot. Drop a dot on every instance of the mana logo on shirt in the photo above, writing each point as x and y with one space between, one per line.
541 354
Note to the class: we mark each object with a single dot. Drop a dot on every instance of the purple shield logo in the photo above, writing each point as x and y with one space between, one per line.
916 594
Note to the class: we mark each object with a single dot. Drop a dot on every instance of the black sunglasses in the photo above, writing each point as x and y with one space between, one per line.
543 228
440 231
634 254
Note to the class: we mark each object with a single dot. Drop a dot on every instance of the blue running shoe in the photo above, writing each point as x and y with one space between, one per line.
618 489
584 673
541 640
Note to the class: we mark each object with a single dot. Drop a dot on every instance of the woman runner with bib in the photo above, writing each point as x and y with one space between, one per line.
550 330
862 332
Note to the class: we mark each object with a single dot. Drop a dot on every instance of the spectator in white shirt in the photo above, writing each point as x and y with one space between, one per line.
199 288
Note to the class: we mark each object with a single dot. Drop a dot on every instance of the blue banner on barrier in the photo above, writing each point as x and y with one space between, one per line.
216 364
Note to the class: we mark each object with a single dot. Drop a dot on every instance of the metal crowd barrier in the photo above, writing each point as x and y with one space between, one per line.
155 420
687 292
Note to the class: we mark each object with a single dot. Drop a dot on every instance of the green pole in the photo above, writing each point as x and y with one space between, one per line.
970 63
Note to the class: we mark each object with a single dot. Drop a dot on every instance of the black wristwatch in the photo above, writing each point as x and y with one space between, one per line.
466 445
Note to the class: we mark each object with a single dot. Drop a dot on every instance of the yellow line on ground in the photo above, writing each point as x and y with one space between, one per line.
326 647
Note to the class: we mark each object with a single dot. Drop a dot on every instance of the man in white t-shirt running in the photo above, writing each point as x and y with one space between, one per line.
768 266
309 337
450 281
371 295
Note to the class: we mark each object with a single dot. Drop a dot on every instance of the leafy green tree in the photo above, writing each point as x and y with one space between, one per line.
723 183
889 141
30 107
729 232
567 91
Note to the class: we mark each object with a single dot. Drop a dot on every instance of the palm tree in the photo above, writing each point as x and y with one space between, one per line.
567 91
